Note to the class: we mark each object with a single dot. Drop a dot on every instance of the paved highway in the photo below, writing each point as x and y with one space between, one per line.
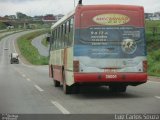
37 42
3 34
28 89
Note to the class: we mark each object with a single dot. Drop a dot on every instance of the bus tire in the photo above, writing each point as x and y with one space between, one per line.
76 89
56 83
67 89
119 88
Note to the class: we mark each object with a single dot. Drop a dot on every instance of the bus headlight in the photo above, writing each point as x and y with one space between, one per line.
129 46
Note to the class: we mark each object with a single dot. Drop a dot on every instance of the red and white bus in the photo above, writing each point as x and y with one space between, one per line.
102 44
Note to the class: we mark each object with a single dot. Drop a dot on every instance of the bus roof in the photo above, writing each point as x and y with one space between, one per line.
111 6
100 7
63 19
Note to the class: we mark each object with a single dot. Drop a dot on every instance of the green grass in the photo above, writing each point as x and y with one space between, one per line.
29 51
44 42
153 47
2 26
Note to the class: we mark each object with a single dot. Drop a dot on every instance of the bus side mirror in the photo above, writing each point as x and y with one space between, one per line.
48 39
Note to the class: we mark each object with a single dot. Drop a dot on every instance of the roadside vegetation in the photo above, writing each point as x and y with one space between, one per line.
29 51
2 26
44 42
153 47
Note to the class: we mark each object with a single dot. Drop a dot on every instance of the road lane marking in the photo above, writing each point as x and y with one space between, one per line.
60 107
38 88
28 79
158 97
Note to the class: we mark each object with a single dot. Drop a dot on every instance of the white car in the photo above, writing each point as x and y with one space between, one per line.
10 27
14 58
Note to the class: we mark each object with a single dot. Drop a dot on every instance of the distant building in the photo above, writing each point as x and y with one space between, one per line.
152 16
49 18
156 16
3 19
148 16
59 16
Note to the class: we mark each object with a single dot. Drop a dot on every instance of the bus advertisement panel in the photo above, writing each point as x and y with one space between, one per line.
110 40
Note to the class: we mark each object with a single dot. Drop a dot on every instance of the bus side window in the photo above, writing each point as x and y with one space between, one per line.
59 37
62 37
52 40
56 39
65 35
70 32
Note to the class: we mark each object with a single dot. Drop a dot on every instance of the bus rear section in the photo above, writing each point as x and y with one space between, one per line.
110 46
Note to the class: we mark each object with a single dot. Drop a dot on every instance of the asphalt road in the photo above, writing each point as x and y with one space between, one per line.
8 32
28 89
43 50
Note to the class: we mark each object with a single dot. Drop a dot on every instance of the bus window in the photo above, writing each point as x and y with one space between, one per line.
59 37
70 32
69 28
56 39
62 35
53 40
65 35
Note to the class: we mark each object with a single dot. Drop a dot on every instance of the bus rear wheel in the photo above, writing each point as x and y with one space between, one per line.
67 89
56 83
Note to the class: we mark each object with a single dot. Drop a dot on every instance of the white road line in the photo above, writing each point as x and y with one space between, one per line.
158 97
28 79
153 81
38 88
60 107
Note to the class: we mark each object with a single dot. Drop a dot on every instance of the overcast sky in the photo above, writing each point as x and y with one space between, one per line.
42 7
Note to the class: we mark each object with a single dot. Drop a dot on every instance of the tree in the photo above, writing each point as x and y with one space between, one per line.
21 15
